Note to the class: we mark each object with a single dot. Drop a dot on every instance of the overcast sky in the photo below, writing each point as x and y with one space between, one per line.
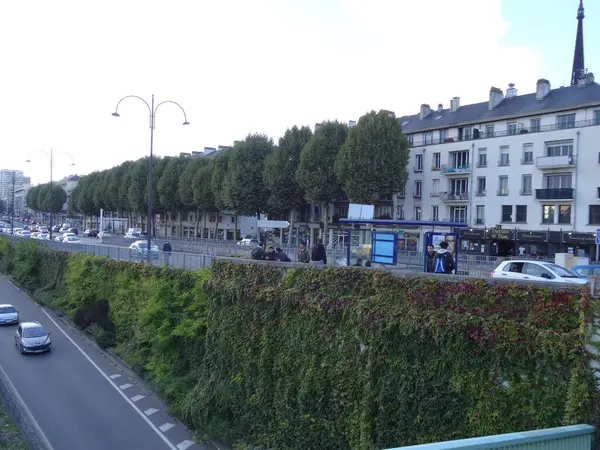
243 66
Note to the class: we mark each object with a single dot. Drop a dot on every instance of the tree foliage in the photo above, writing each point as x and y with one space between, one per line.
372 162
38 198
316 173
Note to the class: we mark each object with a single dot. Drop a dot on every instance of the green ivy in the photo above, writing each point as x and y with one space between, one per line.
332 359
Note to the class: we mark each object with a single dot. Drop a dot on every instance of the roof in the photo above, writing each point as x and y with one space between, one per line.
564 98
30 324
391 222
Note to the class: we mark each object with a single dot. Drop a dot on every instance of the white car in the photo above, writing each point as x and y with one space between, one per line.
71 240
246 242
8 314
43 236
536 271
31 337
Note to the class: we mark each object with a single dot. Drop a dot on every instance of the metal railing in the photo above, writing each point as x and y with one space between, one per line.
555 194
456 168
484 135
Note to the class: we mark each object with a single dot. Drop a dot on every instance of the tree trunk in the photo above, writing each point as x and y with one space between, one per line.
197 223
326 225
292 215
180 225
204 213
235 228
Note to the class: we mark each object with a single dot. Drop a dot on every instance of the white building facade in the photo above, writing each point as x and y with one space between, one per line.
521 171
6 183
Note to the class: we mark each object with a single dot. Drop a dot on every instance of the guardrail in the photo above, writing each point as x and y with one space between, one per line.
575 437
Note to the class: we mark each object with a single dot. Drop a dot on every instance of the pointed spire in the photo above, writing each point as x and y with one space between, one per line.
578 63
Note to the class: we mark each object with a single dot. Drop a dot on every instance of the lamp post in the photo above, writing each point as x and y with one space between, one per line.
152 110
51 158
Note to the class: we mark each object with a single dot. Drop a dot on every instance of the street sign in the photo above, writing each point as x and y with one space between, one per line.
598 236
273 224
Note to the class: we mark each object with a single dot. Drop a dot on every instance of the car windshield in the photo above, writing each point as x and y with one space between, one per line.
561 271
142 245
7 310
34 332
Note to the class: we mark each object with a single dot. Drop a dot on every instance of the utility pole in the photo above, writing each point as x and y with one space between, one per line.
12 209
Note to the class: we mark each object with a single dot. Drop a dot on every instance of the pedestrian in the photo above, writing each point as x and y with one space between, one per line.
258 253
444 262
431 254
271 254
167 252
303 256
281 256
318 254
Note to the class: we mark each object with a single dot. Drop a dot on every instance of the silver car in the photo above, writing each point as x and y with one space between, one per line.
32 338
8 315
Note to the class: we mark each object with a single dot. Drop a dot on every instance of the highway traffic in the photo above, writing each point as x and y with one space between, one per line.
80 398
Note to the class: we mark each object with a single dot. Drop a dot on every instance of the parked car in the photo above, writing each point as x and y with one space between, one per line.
536 271
589 270
248 243
31 337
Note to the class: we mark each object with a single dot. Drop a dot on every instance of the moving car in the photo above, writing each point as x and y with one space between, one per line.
585 271
138 250
8 314
90 233
536 271
248 243
71 240
31 337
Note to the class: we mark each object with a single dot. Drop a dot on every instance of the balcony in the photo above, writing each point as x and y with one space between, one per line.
456 169
555 194
418 169
457 197
479 221
555 162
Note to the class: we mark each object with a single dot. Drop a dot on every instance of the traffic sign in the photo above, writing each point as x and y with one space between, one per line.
273 224
598 236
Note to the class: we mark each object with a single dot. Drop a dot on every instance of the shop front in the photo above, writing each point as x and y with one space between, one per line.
580 244
473 240
502 242
532 243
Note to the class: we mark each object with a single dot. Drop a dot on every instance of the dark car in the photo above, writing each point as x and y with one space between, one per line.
90 233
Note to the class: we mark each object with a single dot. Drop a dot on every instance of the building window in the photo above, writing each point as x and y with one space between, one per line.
417 213
564 214
565 121
526 185
435 213
435 187
402 193
459 186
535 125
558 181
418 186
512 128
458 214
597 117
504 156
481 186
482 157
564 148
521 214
437 161
594 218
503 185
460 160
410 140
428 138
480 214
527 154
548 214
443 135
418 163
489 131
400 212
507 213
464 133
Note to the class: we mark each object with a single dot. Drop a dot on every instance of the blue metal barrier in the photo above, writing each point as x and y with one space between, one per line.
575 437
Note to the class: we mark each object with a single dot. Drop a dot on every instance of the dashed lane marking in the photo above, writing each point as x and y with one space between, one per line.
116 375
137 398
166 427
125 386
150 411
185 444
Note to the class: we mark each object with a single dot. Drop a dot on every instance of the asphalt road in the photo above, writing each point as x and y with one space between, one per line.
78 397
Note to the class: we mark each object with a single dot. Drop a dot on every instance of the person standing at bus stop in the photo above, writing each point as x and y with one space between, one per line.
167 252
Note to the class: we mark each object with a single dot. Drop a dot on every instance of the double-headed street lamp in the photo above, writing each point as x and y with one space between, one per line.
152 109
51 158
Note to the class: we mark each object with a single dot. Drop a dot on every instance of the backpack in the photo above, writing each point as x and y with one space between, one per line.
257 253
443 263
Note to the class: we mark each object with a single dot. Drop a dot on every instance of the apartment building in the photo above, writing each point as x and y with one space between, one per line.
7 177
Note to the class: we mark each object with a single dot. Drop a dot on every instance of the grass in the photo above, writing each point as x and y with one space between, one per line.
10 436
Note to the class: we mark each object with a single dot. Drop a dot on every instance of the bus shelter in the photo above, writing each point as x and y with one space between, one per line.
376 241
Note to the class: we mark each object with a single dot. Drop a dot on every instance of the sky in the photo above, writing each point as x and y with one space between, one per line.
261 66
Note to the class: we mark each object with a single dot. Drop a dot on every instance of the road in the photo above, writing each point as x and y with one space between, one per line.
80 398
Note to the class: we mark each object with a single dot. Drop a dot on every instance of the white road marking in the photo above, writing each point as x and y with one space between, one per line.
125 386
112 383
150 411
116 375
185 444
166 427
137 398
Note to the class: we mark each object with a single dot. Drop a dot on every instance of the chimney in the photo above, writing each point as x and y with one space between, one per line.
209 150
589 78
223 147
511 91
317 126
454 104
440 108
184 154
425 111
542 89
351 123
496 96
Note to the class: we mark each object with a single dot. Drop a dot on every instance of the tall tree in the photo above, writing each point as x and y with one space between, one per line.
202 188
220 170
186 189
372 162
138 188
281 166
316 173
32 199
168 187
245 185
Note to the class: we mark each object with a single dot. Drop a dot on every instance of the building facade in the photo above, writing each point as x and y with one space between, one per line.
7 177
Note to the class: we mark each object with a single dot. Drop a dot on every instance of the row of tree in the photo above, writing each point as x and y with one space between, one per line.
39 198
255 176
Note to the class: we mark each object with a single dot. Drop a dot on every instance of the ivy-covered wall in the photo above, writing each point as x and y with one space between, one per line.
330 359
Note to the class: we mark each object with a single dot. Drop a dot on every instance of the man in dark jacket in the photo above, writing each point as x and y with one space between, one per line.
281 256
319 255
167 252
444 262
303 256
431 254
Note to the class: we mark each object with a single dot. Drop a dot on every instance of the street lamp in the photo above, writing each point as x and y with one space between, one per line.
152 110
51 157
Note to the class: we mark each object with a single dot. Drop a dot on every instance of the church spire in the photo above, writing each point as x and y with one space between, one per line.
578 64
